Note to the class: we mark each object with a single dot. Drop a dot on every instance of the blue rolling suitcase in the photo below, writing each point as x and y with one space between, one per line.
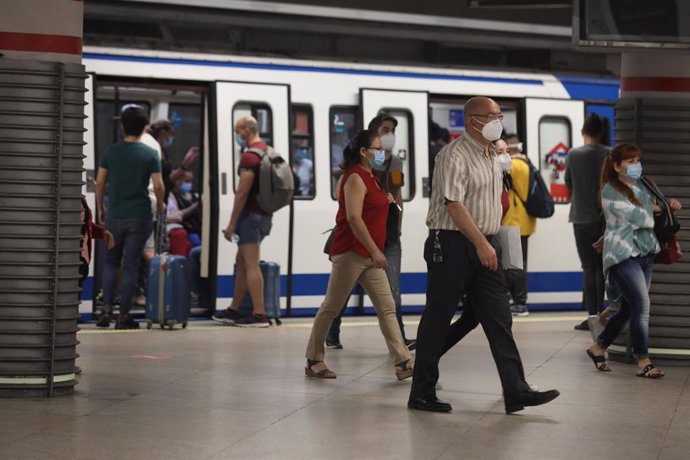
271 273
167 294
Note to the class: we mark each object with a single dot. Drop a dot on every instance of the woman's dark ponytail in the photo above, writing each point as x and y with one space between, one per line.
362 139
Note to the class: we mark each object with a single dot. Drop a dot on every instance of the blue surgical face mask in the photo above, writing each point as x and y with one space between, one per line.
379 158
239 140
186 187
168 142
634 171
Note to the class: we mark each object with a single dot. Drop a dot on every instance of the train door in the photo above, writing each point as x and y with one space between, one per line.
411 109
607 113
552 129
269 104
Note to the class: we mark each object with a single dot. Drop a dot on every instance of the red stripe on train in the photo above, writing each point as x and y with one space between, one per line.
40 43
666 84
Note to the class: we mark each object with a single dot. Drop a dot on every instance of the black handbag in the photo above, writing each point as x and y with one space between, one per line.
329 241
665 223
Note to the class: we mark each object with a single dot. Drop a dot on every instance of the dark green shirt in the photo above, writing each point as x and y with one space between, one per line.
129 165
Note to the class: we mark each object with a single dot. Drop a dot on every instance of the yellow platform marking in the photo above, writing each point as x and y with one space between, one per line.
306 323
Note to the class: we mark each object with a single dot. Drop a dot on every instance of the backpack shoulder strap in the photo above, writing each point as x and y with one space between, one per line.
260 153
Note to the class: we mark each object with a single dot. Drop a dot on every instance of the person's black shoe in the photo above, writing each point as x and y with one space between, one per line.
429 403
333 342
411 344
126 322
583 326
531 398
104 318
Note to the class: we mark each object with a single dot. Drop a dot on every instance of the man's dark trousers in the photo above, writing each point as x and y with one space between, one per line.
460 271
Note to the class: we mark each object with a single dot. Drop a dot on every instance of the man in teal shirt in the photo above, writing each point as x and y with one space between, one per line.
127 167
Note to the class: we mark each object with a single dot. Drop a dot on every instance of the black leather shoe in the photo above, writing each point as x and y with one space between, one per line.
429 403
531 398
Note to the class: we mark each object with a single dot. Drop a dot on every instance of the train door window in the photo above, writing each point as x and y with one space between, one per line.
404 148
187 118
264 117
342 127
448 113
555 139
303 150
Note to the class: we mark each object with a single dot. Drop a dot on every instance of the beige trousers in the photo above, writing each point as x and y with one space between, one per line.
346 270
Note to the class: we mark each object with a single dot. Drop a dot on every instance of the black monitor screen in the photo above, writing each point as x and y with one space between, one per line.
662 23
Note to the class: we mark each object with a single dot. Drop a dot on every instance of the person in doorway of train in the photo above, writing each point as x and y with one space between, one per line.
357 255
249 225
582 167
390 175
182 215
628 254
127 168
461 256
517 216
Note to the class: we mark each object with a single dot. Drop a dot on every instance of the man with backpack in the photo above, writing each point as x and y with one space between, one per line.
249 224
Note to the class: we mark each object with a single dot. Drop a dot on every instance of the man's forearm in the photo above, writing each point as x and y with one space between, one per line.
238 206
465 223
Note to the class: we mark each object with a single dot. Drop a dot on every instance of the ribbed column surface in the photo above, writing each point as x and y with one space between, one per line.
654 113
41 140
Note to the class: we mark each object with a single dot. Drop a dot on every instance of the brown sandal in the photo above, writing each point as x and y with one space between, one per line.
599 362
404 369
322 374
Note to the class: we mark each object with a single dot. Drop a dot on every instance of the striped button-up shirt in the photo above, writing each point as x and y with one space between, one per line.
465 171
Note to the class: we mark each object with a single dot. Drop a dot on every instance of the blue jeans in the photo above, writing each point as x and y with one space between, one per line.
130 238
194 269
252 228
633 277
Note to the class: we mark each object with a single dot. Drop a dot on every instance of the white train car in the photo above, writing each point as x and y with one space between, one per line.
313 108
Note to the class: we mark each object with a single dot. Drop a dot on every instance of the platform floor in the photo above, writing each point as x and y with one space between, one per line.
214 392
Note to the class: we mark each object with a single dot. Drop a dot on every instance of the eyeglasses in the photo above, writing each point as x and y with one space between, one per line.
489 116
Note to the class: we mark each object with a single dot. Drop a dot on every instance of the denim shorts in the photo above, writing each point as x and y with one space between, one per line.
253 228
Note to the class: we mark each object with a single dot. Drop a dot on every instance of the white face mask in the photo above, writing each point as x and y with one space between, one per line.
492 130
388 141
505 161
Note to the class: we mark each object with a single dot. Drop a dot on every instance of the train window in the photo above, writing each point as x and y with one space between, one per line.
555 139
342 126
404 148
303 150
188 122
264 117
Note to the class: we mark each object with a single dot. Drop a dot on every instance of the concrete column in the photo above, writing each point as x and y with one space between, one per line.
41 143
654 113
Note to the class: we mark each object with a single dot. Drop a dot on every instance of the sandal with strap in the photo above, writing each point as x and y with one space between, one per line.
648 372
404 369
599 362
322 374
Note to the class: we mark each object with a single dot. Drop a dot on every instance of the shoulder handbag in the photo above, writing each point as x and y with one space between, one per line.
329 241
665 227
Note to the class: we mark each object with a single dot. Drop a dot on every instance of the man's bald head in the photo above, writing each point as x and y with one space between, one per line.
479 105
247 123
477 112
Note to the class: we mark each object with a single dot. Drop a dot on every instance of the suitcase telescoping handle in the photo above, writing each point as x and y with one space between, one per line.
160 233
162 269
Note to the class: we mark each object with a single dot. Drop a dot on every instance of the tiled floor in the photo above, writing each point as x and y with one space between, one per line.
214 392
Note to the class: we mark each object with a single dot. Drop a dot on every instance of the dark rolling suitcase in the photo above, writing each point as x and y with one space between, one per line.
271 273
167 294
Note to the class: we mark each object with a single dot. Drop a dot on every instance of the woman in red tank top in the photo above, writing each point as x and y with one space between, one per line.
357 255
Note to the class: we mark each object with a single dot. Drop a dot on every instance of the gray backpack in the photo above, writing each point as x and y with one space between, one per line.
276 181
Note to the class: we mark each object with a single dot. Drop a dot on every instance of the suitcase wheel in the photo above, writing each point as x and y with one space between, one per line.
184 325
171 323
278 321
149 324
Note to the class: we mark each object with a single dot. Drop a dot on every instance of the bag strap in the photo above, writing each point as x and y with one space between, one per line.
258 152
654 190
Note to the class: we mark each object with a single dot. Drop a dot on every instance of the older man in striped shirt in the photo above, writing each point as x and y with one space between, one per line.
461 254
